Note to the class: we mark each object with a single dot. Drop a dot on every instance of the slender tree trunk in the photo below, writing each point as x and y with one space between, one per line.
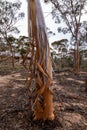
41 79
77 54
77 61
12 56
11 51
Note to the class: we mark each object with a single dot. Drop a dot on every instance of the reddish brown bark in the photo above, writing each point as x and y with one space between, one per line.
41 78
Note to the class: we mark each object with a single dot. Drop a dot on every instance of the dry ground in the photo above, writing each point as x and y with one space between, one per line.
70 101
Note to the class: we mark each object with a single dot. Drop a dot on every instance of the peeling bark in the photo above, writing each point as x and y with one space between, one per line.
40 82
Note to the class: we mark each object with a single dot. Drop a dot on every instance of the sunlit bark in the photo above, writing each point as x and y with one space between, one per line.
40 82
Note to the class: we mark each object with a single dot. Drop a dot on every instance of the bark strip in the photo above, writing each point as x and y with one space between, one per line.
40 86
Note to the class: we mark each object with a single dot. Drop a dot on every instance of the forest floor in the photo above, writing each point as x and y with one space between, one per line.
70 101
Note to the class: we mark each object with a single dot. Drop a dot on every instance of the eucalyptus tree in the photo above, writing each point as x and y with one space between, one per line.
22 45
70 12
61 48
40 80
9 16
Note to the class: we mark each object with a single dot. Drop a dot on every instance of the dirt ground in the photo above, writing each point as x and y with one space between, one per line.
70 101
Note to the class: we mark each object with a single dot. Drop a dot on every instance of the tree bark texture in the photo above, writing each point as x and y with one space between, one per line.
77 53
40 82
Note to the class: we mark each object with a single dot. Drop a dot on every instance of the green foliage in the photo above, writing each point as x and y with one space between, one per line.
61 47
70 12
9 16
84 64
22 52
69 62
10 38
22 45
61 43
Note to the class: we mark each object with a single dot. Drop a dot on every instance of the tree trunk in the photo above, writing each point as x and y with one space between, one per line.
77 54
77 61
12 53
12 56
41 79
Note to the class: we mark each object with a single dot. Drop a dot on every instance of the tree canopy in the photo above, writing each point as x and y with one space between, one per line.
9 16
70 12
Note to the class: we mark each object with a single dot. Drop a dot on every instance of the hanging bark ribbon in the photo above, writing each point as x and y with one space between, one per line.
40 64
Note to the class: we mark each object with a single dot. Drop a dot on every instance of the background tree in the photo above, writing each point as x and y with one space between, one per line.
22 46
61 49
9 16
11 42
71 12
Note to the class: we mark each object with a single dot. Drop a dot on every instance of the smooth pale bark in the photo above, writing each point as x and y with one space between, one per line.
40 82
